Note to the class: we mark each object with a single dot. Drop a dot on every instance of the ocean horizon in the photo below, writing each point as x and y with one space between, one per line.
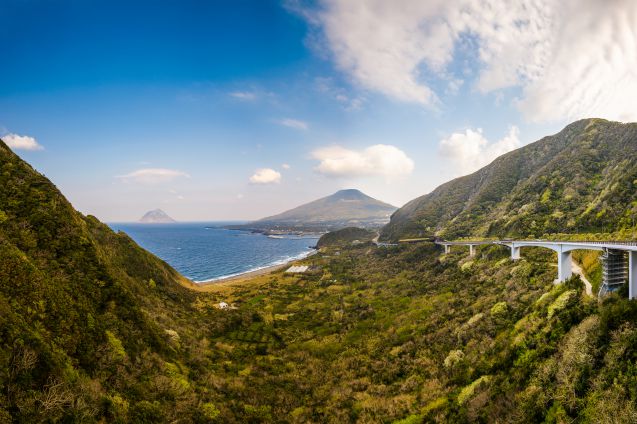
207 252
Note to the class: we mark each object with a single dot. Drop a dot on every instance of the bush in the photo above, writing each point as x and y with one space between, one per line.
562 302
574 283
468 391
499 310
146 412
210 411
454 358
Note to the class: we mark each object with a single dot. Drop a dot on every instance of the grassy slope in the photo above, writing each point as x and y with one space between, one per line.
582 179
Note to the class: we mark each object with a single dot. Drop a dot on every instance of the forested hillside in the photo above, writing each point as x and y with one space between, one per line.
581 180
345 237
91 325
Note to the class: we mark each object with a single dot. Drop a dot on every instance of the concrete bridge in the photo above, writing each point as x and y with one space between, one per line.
619 260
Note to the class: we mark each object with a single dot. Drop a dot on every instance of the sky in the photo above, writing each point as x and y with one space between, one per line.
235 110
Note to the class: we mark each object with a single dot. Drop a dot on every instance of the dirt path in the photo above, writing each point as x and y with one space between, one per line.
578 270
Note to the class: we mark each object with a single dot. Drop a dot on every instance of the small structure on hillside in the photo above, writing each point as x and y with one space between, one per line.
297 269
223 305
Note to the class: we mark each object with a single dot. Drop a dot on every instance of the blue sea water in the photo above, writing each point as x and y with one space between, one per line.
207 252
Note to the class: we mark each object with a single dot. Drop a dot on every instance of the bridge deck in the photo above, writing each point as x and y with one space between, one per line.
584 244
564 249
465 243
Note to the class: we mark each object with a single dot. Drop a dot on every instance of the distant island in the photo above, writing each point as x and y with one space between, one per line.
156 216
345 208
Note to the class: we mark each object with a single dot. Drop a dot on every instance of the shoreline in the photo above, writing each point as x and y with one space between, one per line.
248 275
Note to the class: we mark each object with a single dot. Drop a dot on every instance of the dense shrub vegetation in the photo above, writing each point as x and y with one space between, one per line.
408 333
346 237
95 329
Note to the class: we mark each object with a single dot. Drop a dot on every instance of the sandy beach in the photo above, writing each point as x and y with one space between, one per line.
244 278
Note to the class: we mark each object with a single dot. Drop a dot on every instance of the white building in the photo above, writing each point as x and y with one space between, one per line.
297 269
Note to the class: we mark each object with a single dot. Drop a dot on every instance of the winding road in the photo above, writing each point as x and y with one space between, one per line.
578 270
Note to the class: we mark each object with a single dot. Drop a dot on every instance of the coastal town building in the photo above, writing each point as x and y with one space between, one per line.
297 269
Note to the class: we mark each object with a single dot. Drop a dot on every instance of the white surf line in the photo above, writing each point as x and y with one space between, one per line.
578 270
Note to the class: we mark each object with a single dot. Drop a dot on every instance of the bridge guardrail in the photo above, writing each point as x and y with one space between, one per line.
593 242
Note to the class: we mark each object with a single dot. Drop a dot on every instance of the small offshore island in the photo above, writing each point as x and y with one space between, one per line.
156 216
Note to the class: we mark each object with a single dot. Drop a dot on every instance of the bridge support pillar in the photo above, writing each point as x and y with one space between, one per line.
515 252
632 275
564 266
472 250
447 248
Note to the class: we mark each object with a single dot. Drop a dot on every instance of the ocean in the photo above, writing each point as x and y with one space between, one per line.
206 252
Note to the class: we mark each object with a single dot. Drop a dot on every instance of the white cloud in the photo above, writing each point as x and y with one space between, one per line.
293 123
592 71
21 142
470 150
285 166
379 44
380 159
265 176
153 175
570 58
244 95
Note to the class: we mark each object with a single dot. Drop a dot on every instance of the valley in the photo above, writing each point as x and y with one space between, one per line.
97 329
318 212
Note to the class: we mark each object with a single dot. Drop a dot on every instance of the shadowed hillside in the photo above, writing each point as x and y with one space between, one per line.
583 179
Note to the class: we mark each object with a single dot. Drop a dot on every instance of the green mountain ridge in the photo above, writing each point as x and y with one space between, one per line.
85 314
582 179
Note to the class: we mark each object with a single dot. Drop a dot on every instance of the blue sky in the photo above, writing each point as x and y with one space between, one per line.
239 109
